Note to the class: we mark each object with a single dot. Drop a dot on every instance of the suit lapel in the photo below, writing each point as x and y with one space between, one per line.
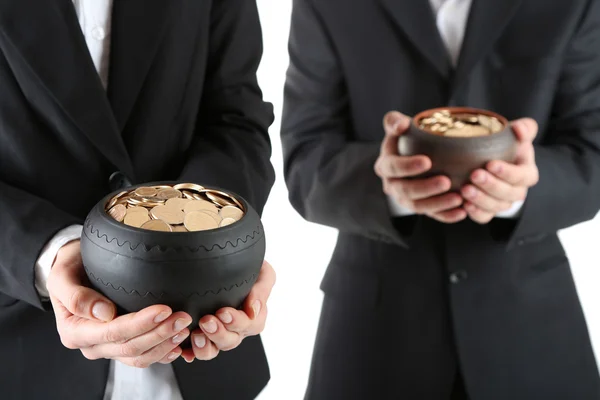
48 37
415 18
137 29
487 20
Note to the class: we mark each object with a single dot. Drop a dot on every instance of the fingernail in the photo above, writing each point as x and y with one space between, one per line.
440 183
417 165
199 341
102 311
179 338
161 317
173 356
256 308
188 361
496 168
225 317
210 326
181 324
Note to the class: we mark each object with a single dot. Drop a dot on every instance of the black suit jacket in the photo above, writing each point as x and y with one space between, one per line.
183 104
409 301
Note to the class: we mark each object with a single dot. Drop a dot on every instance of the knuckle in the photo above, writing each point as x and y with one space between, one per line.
129 349
90 355
140 362
76 301
68 343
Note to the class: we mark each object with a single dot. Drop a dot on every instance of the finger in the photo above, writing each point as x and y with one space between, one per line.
215 332
65 285
235 320
172 356
202 349
260 292
450 216
437 204
86 333
394 124
478 215
417 189
154 355
394 166
174 330
498 188
515 175
525 129
484 200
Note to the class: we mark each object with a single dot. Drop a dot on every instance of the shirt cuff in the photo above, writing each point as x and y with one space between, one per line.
513 212
397 210
48 255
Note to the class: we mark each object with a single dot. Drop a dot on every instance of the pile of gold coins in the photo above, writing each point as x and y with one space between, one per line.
184 207
444 123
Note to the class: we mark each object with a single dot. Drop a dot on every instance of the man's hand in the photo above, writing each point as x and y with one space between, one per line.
229 327
495 189
86 320
423 196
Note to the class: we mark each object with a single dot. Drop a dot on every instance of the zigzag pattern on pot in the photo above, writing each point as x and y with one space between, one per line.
132 292
94 231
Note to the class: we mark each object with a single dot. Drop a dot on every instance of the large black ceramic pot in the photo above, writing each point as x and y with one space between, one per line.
196 272
454 156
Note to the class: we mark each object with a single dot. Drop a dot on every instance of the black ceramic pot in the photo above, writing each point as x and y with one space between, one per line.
195 272
458 157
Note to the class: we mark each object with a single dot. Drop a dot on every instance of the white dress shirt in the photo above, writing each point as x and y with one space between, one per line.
157 382
451 20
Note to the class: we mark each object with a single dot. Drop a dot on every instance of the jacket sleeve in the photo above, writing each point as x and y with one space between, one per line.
330 175
568 158
231 148
28 223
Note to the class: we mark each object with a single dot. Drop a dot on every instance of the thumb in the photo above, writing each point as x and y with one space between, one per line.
260 291
394 124
526 129
64 284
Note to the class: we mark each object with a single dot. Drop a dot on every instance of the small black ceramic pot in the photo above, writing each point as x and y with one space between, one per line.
195 272
458 157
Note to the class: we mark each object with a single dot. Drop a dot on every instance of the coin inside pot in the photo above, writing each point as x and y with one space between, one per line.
458 140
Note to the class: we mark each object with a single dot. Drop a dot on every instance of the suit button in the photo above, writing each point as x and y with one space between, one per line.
458 276
118 180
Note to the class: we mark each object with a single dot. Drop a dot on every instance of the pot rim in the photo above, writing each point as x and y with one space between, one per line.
104 214
462 109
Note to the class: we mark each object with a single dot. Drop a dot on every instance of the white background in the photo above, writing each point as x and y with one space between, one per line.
300 251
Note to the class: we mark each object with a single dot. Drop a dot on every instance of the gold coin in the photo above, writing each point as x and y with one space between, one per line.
115 200
429 121
187 195
435 128
496 125
445 113
226 222
157 225
145 191
170 215
179 228
160 187
136 219
199 221
459 125
189 186
132 210
118 212
223 199
166 194
197 205
468 131
214 215
177 203
438 115
231 212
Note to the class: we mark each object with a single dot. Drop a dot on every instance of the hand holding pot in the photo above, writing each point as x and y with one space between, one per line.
86 320
497 187
229 327
429 196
